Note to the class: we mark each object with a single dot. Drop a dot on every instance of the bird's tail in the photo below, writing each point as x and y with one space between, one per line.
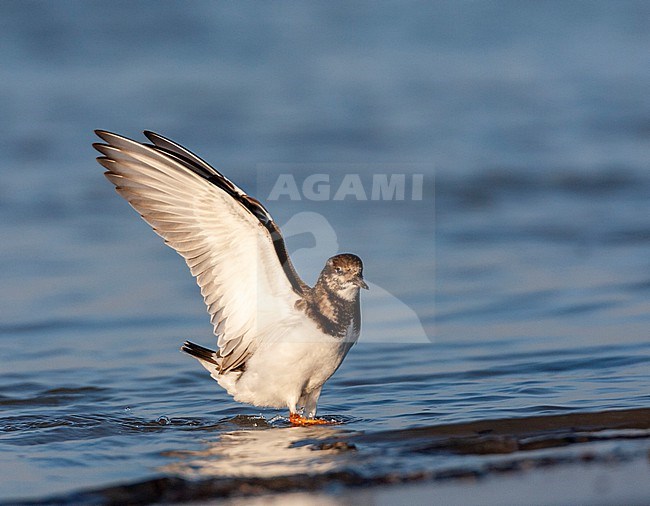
207 357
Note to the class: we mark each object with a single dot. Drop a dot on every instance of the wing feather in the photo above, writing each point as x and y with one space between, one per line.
228 240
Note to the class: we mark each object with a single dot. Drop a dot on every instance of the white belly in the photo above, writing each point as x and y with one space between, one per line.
283 370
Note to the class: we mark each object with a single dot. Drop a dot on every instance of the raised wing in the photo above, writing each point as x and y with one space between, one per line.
228 239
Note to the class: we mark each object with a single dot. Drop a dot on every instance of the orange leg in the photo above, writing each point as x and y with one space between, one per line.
299 421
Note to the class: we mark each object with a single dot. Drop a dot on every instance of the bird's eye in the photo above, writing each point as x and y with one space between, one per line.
338 270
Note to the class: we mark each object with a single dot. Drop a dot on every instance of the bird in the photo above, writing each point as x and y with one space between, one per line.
278 339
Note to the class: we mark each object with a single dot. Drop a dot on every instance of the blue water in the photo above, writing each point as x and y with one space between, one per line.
518 285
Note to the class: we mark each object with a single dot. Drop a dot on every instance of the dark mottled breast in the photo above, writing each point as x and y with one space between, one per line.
332 314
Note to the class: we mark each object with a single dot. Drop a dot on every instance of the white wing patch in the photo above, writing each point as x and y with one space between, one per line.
228 250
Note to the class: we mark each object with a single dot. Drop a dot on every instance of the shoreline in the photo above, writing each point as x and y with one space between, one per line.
495 450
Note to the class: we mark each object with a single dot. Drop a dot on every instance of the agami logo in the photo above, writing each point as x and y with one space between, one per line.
321 187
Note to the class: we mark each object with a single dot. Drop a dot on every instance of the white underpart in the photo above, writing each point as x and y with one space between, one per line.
290 368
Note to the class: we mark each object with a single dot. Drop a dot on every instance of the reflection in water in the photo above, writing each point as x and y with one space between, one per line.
292 499
262 453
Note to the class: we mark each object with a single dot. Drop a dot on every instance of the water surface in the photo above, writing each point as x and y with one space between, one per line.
517 286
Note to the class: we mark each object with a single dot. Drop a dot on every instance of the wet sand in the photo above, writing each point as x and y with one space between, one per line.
557 459
569 484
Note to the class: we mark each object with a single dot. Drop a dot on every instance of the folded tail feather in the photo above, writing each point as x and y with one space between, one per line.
206 356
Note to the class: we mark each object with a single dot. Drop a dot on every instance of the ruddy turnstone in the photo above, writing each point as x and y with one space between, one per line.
279 339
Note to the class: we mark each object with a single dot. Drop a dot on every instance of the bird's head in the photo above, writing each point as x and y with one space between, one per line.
343 275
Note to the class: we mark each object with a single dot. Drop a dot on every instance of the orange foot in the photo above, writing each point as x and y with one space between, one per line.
299 421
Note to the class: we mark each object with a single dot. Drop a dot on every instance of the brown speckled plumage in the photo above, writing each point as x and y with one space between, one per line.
329 303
